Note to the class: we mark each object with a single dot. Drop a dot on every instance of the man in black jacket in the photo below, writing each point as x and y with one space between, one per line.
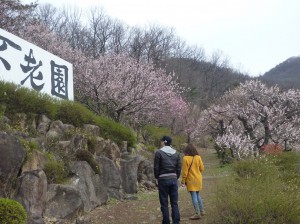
167 169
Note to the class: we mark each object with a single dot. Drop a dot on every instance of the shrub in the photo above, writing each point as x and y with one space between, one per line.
12 212
23 100
55 172
252 201
258 193
178 140
78 115
115 131
91 144
85 155
74 113
288 161
253 168
289 165
151 148
15 99
152 135
272 149
2 109
29 146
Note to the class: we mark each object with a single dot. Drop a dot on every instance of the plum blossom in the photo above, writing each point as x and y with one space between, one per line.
253 115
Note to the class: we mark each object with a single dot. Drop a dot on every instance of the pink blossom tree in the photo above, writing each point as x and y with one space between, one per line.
14 15
128 88
253 115
115 84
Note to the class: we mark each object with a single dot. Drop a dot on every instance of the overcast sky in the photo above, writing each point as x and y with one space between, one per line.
255 35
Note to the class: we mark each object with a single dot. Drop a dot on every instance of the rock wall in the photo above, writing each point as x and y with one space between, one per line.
23 176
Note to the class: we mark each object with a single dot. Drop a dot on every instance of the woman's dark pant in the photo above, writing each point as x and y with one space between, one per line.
169 188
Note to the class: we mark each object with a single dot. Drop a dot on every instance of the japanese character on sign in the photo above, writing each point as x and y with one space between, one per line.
3 47
32 68
28 65
59 80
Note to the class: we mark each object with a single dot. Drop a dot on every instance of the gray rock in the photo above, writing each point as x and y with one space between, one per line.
110 150
31 192
12 155
63 202
92 129
5 122
100 189
100 144
84 183
111 176
78 142
145 171
129 174
59 131
43 125
35 161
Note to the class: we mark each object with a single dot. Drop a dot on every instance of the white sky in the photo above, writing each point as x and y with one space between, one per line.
255 35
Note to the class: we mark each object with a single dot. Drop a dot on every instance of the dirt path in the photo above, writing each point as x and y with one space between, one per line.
146 208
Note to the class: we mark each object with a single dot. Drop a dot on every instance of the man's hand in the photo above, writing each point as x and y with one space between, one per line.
156 182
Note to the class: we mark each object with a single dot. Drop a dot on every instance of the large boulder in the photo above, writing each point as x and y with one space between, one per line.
145 175
31 192
35 161
84 183
43 125
100 189
107 148
145 170
12 155
100 144
92 129
59 131
5 123
129 168
63 202
21 120
111 176
78 142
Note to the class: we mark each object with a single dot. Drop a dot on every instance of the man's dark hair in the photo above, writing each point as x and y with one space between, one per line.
167 140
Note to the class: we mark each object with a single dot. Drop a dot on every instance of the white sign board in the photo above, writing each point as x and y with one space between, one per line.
30 66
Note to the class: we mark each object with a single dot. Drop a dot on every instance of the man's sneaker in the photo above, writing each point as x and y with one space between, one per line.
195 217
202 212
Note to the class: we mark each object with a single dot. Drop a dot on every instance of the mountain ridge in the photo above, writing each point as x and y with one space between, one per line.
286 74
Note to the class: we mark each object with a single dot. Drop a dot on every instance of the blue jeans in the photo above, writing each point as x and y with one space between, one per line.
169 188
197 201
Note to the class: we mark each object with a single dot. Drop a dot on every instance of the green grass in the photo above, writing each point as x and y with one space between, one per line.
212 166
15 99
262 190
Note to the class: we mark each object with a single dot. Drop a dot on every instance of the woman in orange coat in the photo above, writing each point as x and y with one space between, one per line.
192 168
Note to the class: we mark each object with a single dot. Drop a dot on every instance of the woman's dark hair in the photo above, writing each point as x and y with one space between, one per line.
190 150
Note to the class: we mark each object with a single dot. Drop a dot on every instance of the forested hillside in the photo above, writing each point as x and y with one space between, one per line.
206 80
285 74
